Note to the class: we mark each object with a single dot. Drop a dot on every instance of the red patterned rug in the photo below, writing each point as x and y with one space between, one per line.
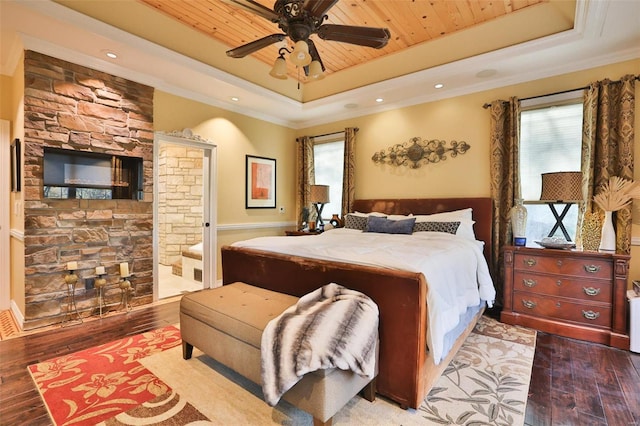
99 383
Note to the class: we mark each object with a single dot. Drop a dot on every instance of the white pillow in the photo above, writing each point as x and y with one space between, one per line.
464 216
369 214
388 216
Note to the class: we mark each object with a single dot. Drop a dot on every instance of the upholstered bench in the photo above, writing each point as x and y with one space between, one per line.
226 323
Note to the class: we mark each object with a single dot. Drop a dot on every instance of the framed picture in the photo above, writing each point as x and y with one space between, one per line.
16 176
260 183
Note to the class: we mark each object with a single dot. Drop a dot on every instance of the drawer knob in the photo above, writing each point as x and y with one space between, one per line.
592 269
559 262
529 304
559 283
530 262
590 291
529 283
590 315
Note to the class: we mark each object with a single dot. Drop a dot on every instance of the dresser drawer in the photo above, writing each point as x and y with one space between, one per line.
588 268
562 309
559 285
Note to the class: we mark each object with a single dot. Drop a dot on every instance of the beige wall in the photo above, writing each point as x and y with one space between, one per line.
11 109
235 136
460 118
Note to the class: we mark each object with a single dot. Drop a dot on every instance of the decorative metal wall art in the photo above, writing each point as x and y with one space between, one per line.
417 151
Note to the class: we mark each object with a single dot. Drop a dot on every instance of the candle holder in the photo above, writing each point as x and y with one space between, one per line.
99 284
72 314
125 290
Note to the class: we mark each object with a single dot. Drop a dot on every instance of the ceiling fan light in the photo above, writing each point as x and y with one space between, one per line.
300 55
279 69
315 70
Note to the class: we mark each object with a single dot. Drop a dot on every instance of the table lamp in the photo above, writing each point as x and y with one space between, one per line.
319 197
561 188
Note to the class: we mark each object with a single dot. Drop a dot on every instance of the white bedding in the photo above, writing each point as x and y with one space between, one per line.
455 269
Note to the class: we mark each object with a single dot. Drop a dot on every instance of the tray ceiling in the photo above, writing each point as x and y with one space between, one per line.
411 22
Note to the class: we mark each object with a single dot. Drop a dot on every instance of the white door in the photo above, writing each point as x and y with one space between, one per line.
184 215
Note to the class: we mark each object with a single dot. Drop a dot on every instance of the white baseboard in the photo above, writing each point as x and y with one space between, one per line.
17 315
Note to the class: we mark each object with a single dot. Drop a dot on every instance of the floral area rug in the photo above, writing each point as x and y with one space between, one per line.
487 382
144 380
94 385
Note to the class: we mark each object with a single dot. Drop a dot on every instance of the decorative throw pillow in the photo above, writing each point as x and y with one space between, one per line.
386 226
464 216
448 227
352 221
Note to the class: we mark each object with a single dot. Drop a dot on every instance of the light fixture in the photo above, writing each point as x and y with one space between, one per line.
561 188
379 100
300 55
319 197
279 69
235 98
439 86
111 55
313 66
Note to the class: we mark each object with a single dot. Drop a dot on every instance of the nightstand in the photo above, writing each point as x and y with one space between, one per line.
571 293
300 233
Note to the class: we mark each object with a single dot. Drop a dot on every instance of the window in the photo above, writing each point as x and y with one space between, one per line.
328 162
550 141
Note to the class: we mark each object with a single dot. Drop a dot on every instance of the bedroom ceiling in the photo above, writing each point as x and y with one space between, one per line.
410 23
539 40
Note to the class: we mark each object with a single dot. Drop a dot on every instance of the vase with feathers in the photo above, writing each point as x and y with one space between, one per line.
614 195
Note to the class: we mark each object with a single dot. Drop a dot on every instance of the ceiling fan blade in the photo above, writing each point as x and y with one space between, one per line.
254 46
319 8
256 8
362 36
315 56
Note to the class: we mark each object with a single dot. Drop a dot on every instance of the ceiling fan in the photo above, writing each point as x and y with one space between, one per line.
299 19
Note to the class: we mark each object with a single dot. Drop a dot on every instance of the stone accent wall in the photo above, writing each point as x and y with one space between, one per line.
180 205
73 107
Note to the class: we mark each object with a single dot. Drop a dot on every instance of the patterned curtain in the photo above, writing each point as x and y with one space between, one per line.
306 176
505 178
348 179
607 146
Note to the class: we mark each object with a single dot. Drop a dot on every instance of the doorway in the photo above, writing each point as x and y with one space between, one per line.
184 215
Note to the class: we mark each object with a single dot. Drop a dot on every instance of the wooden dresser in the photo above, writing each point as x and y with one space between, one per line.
566 292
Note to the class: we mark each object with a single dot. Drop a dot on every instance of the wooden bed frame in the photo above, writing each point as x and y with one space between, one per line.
407 371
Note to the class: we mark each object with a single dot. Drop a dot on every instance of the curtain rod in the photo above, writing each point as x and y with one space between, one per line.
332 134
485 106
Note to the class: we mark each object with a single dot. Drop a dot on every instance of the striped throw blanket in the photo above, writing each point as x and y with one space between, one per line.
330 327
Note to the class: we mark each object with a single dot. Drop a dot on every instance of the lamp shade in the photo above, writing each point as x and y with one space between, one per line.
279 69
562 186
300 55
319 194
315 70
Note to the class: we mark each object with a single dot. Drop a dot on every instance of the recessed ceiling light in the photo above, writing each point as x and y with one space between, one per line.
235 98
111 55
439 86
378 100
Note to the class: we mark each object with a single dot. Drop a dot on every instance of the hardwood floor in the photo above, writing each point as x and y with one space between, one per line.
580 383
572 383
20 403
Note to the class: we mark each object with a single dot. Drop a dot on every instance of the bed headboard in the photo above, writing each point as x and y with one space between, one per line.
482 212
